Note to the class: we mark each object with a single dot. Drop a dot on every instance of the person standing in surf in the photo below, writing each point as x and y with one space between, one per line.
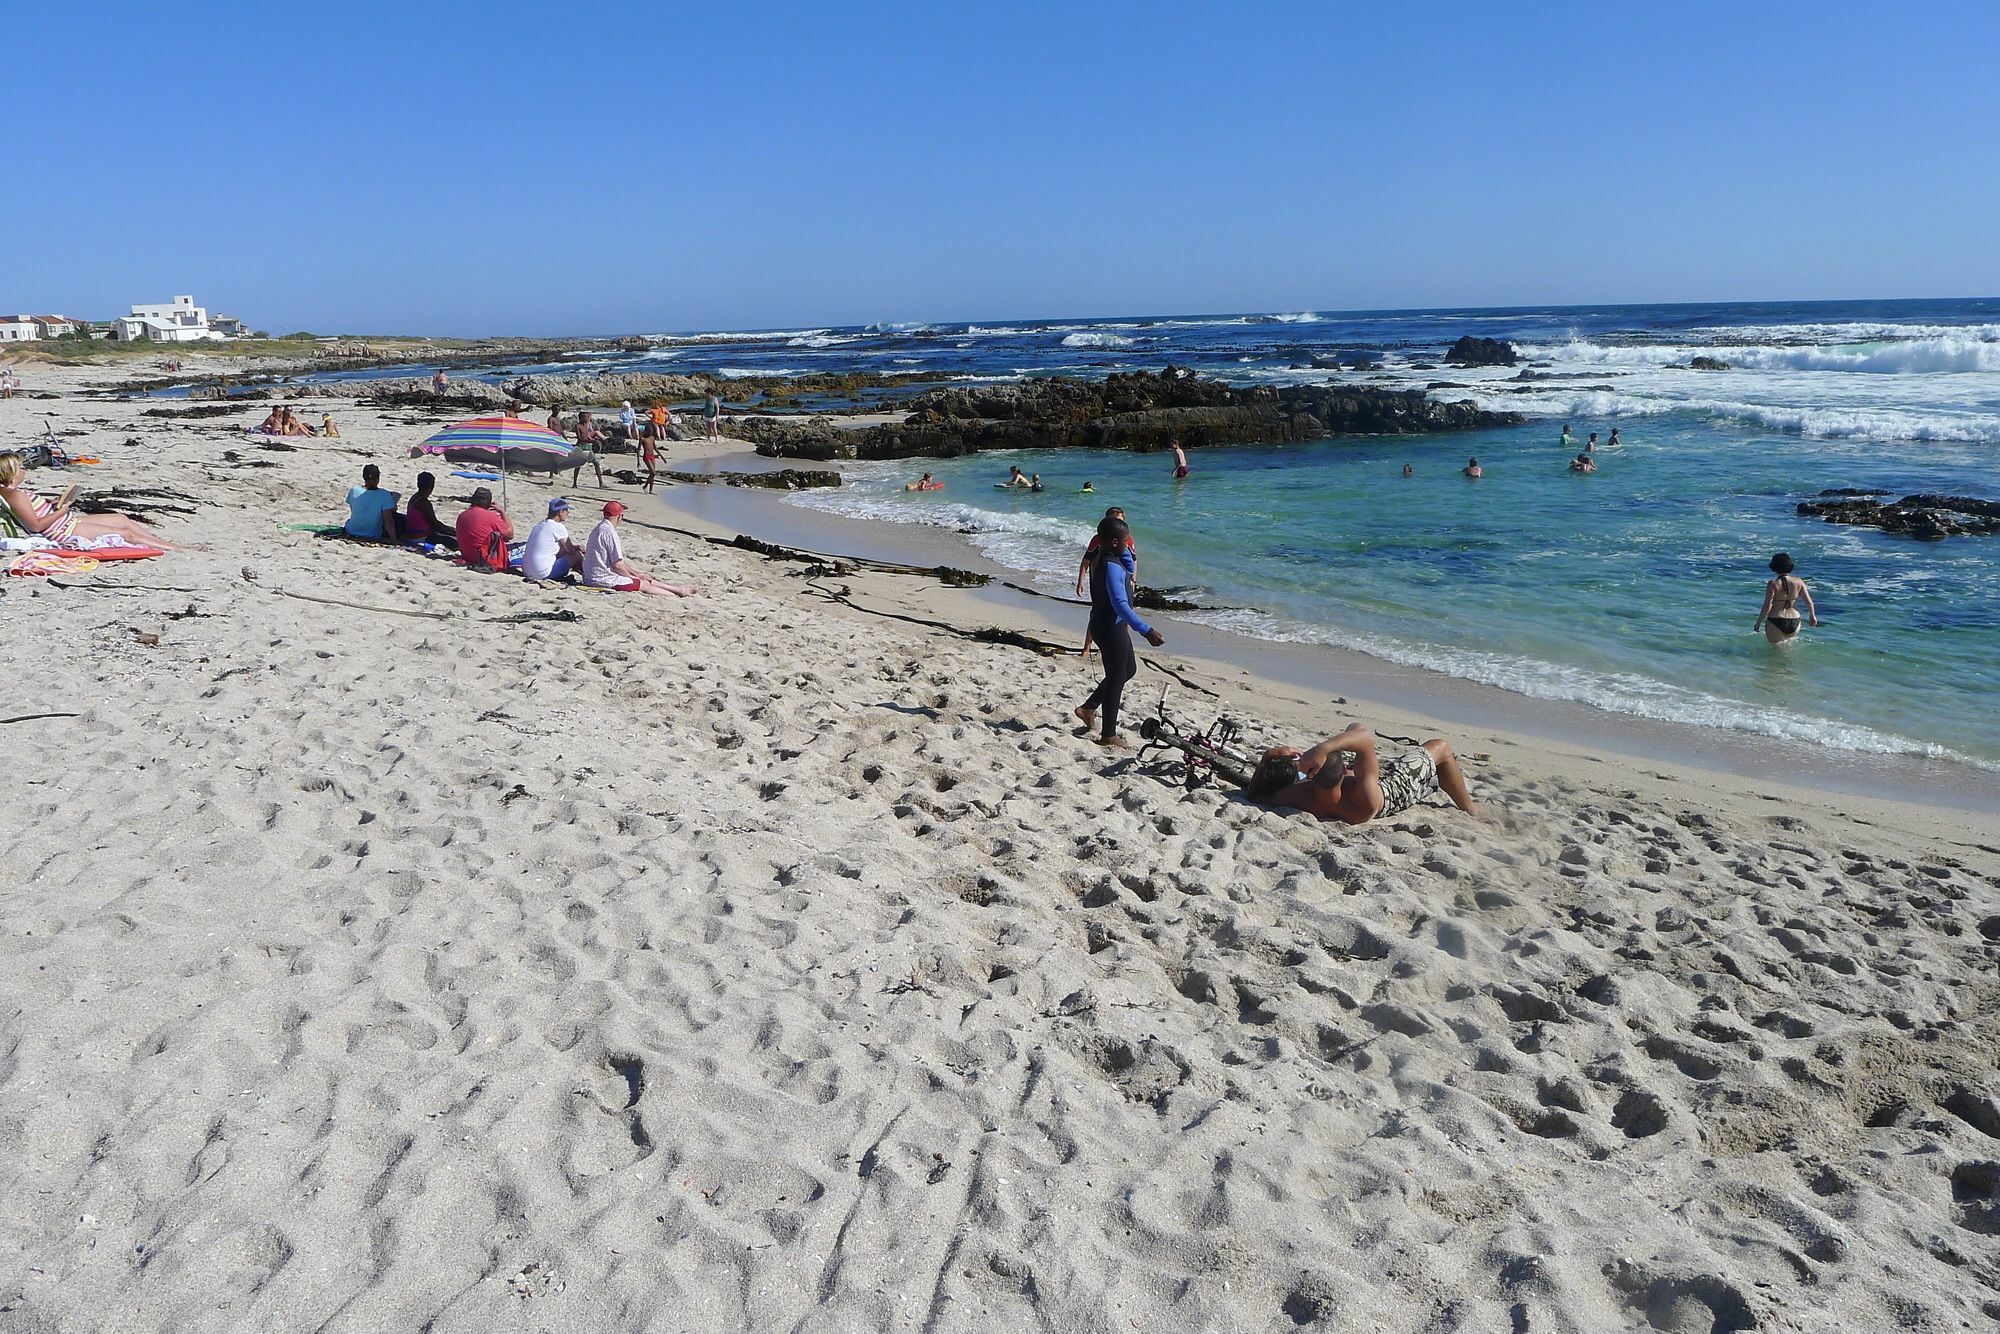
1779 617
1180 463
1568 441
1111 619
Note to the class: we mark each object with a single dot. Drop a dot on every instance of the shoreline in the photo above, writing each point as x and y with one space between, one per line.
1282 669
401 946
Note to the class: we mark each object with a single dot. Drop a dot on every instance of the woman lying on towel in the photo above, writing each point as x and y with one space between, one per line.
60 522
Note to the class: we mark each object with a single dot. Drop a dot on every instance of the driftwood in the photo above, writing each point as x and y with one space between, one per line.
30 717
989 635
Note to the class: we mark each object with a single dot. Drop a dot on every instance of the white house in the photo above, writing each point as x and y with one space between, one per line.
52 326
179 321
19 331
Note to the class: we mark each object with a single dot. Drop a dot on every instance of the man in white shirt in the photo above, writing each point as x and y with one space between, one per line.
550 553
605 566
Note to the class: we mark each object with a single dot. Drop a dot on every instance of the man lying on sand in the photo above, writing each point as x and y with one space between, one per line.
1362 788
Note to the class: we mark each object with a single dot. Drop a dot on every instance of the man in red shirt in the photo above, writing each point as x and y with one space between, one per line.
483 532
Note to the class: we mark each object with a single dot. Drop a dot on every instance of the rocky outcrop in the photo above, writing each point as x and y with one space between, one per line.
1923 516
1138 411
542 391
1707 364
778 479
1470 351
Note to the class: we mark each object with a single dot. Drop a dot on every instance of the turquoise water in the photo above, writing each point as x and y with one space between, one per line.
1632 589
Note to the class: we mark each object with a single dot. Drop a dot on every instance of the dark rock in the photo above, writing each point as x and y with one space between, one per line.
1854 491
1470 351
1708 364
1137 411
1152 599
778 479
199 410
1922 516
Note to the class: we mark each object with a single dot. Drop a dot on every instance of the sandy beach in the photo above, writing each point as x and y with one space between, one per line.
389 946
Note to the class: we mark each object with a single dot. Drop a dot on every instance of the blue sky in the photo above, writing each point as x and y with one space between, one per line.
578 168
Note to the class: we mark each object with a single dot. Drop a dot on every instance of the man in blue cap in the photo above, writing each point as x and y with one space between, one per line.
551 554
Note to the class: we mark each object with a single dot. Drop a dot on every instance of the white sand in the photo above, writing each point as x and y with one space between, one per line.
752 963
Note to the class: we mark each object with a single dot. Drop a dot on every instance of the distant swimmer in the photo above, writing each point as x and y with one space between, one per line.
1015 477
1612 443
925 483
1408 471
1779 617
1590 445
1472 468
1035 482
1582 463
1568 441
1087 489
1180 462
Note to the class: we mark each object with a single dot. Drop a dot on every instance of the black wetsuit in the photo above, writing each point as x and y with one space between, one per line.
1110 613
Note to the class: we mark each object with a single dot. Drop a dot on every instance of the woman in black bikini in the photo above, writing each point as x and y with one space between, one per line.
1779 618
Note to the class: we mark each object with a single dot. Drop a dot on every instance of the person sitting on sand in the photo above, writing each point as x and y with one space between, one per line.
420 518
924 483
1343 778
327 428
290 424
1779 617
605 566
483 533
550 553
628 421
656 421
273 424
1472 468
60 523
371 511
1582 463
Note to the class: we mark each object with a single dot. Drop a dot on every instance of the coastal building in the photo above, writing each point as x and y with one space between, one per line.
227 325
51 326
178 321
18 330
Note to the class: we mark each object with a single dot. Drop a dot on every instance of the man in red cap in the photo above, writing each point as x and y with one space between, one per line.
605 566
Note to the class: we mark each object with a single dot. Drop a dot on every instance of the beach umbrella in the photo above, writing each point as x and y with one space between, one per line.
505 442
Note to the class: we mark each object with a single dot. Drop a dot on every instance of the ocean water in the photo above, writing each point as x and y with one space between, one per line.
1632 590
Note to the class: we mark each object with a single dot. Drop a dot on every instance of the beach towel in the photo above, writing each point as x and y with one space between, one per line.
478 476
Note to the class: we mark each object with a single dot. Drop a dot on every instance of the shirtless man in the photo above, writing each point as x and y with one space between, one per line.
1363 788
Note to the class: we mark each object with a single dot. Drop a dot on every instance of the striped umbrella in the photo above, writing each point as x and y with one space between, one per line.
497 440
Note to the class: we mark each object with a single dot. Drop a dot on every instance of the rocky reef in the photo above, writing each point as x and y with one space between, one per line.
542 391
1923 516
1138 411
1470 351
1707 364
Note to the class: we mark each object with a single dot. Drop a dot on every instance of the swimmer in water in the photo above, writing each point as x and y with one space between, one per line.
1590 445
1408 471
1035 482
1779 617
1015 477
1582 463
924 483
1568 441
1088 489
1612 443
1472 468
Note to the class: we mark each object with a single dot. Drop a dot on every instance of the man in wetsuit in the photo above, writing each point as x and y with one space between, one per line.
1365 787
